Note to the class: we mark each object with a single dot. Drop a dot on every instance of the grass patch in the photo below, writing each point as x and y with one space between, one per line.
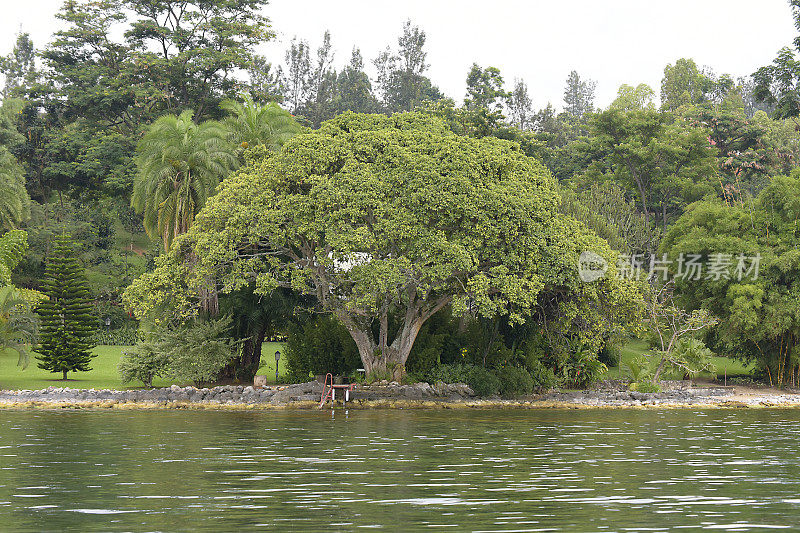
103 374
635 347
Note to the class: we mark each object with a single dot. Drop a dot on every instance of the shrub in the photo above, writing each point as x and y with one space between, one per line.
582 368
318 346
543 376
193 352
482 382
640 367
143 363
514 381
645 386
127 335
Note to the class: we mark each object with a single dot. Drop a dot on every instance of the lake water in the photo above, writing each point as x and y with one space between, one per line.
559 470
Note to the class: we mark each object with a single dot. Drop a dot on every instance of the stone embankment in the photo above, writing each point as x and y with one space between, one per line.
394 395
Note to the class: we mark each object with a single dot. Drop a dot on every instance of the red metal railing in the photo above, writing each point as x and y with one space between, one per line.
329 390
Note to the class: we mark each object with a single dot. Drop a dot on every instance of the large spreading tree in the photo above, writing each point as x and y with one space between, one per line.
385 220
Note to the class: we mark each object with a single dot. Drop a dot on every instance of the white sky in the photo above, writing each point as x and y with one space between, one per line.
611 41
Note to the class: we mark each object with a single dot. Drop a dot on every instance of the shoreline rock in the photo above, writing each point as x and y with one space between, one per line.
389 395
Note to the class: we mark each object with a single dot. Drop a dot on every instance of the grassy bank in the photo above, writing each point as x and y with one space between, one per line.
733 367
104 373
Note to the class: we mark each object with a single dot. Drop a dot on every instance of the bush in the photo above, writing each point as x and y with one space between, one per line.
193 352
645 386
318 346
543 376
482 382
125 336
582 368
514 381
144 364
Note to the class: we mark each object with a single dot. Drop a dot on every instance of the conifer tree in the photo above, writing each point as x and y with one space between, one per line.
67 321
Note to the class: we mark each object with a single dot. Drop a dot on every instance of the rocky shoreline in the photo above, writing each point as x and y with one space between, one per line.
393 395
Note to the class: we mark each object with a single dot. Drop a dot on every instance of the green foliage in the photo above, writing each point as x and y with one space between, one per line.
179 165
372 214
18 324
190 352
632 99
63 352
120 64
579 95
758 318
481 381
691 356
515 381
582 368
251 124
319 345
663 162
485 89
127 335
144 363
66 314
14 199
640 368
645 386
13 246
683 84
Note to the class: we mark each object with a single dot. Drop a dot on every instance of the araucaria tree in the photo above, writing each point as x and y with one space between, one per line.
66 315
385 221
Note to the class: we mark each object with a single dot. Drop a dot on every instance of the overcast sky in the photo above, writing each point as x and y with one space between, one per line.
611 41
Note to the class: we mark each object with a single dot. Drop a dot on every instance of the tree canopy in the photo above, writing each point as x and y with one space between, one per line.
374 216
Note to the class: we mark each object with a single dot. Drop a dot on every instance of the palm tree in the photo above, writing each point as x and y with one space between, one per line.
15 204
18 324
179 166
253 124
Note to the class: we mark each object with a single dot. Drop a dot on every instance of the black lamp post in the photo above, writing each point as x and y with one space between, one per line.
108 324
277 358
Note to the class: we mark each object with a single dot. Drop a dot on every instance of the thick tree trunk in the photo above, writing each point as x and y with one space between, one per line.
382 360
244 368
65 374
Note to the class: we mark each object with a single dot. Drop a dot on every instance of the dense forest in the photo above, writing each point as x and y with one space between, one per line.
148 141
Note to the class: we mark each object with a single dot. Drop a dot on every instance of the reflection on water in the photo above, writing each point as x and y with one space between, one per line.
479 470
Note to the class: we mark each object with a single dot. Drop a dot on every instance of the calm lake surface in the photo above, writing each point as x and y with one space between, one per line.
557 470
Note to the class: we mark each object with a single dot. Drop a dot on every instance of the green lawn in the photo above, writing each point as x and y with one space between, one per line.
733 367
104 373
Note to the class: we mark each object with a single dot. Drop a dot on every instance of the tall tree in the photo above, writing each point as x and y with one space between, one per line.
485 89
298 75
19 67
179 166
266 81
579 95
682 84
173 55
401 82
634 98
195 47
354 88
66 314
664 163
520 106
